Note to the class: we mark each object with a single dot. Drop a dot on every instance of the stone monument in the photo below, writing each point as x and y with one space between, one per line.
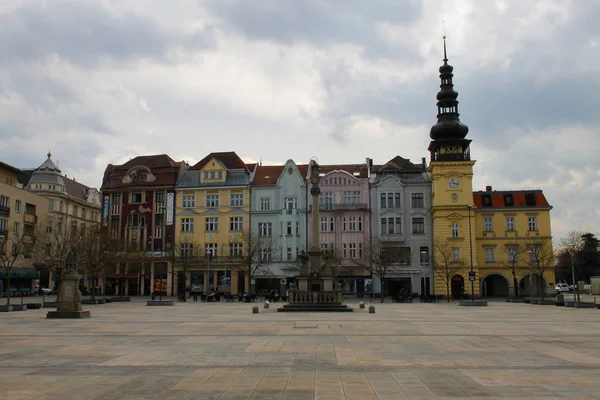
69 305
316 290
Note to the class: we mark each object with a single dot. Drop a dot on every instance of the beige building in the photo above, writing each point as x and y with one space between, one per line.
20 212
67 201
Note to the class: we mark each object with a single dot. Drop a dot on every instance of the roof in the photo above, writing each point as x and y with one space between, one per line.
10 167
229 159
76 189
359 169
267 174
163 167
399 164
510 199
191 179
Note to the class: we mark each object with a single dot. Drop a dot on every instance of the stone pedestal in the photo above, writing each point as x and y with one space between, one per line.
70 299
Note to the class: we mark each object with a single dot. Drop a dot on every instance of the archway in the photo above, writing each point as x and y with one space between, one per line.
525 285
457 285
494 285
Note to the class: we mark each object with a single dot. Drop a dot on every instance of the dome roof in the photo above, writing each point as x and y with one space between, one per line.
47 174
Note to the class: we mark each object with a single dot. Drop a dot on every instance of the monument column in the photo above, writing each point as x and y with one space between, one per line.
314 264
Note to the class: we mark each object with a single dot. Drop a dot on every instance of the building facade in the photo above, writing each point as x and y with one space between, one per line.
21 212
212 225
476 234
344 207
401 225
138 211
278 212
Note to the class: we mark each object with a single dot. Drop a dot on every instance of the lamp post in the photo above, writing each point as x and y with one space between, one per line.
573 276
423 260
2 244
472 274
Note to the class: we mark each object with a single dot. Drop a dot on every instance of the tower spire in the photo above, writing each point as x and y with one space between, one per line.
445 56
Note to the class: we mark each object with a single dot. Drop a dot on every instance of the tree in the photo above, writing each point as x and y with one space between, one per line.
513 262
577 257
539 254
444 266
330 262
254 253
13 248
97 251
378 260
185 254
55 242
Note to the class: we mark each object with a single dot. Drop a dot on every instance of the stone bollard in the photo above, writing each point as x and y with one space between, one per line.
255 310
266 304
371 309
362 304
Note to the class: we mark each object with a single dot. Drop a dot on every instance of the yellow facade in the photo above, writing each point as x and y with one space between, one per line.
212 218
8 174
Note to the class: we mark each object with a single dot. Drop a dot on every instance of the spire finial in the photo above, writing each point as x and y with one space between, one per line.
444 37
49 153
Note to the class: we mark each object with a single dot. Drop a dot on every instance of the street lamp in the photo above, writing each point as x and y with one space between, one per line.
424 259
572 274
472 274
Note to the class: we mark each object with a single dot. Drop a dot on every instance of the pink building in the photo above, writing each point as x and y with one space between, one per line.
344 221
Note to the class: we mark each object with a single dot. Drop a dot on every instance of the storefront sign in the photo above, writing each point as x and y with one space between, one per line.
170 201
106 207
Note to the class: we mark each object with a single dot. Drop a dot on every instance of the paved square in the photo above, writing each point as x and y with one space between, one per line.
222 351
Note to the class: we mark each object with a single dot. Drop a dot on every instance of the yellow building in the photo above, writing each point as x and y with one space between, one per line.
20 213
470 255
212 223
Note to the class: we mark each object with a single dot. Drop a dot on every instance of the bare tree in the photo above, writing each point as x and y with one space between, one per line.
14 247
185 255
254 253
571 248
379 259
444 265
514 262
539 254
55 242
97 251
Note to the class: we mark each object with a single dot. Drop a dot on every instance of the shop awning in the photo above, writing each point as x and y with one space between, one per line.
21 273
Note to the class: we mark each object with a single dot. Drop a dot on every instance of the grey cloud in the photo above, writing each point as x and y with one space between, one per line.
84 32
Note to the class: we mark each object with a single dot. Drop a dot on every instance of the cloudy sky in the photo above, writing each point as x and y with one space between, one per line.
101 81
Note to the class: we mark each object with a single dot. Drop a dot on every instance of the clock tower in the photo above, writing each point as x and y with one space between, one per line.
451 172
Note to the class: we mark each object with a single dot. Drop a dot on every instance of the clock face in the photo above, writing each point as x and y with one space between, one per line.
453 183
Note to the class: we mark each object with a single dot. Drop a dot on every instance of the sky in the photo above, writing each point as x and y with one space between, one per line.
99 82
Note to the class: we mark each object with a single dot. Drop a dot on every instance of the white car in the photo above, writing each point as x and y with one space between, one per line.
561 288
46 291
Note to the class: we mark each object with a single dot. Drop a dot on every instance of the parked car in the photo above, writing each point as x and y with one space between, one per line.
561 288
47 291
587 288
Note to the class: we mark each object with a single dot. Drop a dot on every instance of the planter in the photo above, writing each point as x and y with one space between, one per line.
471 303
585 305
125 298
34 306
88 301
527 301
50 304
513 300
569 304
160 303
6 308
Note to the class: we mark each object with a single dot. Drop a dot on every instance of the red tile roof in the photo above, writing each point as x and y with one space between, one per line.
267 174
303 170
229 159
518 198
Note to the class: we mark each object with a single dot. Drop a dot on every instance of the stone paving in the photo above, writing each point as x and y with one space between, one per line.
222 351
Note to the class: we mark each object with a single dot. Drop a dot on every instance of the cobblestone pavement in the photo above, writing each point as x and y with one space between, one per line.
222 351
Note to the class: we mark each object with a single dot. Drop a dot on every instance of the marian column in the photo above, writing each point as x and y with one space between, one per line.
314 265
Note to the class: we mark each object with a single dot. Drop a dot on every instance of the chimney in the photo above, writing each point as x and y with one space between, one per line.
369 163
488 188
423 162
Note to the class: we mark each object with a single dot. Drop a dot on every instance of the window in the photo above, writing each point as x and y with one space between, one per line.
265 254
137 197
186 250
51 205
454 230
418 226
533 254
235 249
210 249
512 254
417 200
114 222
489 254
17 205
83 213
49 225
212 224
488 224
289 254
532 223
16 228
510 224
187 225
352 248
237 199
390 200
236 223
290 203
345 250
326 199
26 251
327 224
116 198
188 200
212 200
391 226
455 255
424 252
265 204
264 229
289 228
159 196
348 197
159 220
354 224
297 228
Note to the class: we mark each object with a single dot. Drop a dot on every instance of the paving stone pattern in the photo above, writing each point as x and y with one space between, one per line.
223 351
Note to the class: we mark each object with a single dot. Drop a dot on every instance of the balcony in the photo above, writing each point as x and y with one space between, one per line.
4 211
29 218
342 207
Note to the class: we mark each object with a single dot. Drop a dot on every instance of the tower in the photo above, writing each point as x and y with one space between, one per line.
451 172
